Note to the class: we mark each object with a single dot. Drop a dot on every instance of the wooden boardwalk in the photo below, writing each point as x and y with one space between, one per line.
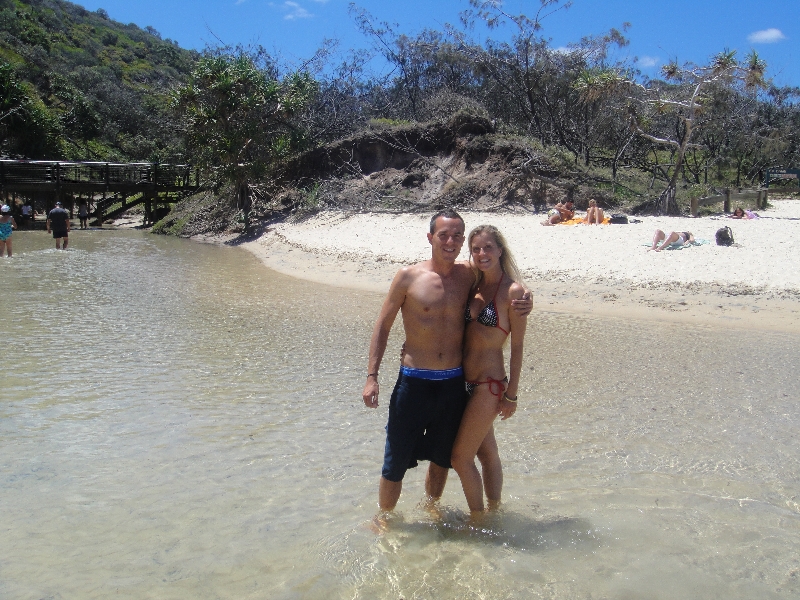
109 189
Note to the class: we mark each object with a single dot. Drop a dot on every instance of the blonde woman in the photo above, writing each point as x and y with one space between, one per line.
492 389
594 214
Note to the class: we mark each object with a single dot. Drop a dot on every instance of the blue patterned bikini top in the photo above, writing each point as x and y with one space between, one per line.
488 315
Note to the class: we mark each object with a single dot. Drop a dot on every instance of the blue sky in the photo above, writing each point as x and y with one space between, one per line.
689 30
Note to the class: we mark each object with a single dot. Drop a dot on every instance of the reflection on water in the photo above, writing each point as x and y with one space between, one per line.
177 421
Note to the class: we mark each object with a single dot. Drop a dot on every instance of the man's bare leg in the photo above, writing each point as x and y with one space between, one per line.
389 493
435 481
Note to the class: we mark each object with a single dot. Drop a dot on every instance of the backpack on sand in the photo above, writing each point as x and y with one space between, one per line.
724 236
619 219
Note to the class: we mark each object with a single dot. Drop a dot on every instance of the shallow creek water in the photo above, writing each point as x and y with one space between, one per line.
177 421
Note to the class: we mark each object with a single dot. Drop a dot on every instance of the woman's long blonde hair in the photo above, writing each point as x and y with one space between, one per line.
507 262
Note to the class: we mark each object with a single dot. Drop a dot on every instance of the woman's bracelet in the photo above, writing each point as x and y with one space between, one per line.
375 375
509 398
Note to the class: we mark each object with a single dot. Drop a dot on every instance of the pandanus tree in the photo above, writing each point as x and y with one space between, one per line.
672 113
240 117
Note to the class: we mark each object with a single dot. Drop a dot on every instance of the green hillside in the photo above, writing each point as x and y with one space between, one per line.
75 84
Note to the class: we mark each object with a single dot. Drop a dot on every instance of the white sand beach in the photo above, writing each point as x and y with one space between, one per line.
605 269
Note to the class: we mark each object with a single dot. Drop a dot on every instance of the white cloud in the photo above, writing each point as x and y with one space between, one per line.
766 36
295 11
648 61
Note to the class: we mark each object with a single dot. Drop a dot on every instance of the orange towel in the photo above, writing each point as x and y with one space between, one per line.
579 220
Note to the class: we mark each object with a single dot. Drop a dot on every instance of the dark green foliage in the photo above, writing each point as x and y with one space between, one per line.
96 89
26 126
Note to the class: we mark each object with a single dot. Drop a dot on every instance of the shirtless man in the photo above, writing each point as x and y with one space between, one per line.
429 397
560 212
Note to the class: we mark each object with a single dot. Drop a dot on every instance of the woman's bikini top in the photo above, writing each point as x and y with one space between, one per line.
488 316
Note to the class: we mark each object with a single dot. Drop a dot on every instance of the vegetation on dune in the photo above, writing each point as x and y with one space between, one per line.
489 123
78 85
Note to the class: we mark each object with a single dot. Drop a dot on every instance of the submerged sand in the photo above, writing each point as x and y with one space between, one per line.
602 269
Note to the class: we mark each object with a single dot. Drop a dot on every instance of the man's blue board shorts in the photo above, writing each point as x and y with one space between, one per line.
424 414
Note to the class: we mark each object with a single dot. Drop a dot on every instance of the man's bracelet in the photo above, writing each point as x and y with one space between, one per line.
375 375
509 398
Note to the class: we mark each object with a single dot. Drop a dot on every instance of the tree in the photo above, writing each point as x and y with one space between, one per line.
515 75
603 90
239 117
27 128
671 114
425 68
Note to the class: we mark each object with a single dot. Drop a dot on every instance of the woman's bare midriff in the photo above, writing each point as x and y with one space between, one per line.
483 352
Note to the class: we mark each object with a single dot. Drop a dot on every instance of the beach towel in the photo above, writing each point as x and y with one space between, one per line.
579 220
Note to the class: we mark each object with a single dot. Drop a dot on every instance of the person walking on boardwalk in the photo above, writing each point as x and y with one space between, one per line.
58 221
7 227
429 396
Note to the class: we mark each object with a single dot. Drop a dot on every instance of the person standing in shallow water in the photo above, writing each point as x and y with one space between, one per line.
429 396
490 321
7 227
58 221
83 215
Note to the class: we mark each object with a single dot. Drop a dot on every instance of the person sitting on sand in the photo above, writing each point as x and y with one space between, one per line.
490 323
560 213
594 214
679 238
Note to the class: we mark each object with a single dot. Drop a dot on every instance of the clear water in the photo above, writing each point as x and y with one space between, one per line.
176 421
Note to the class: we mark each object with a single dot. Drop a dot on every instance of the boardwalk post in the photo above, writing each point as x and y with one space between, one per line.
726 203
148 208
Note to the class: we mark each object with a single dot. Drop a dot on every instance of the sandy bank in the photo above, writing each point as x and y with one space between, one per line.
606 270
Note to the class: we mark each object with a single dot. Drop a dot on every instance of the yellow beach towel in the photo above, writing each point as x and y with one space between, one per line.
579 220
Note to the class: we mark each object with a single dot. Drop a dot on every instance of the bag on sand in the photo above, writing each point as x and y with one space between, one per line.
618 219
724 236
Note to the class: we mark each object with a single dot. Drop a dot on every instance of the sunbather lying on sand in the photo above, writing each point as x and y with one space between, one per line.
741 213
675 237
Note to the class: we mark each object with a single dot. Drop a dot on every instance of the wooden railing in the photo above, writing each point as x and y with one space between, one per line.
24 176
757 197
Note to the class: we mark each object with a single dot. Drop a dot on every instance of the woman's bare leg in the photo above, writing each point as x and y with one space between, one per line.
492 468
481 411
657 237
672 237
